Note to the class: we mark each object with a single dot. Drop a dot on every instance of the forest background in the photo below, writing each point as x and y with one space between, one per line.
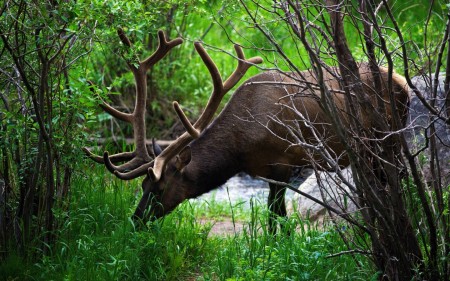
63 217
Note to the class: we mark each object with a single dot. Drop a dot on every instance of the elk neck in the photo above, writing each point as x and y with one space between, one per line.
214 159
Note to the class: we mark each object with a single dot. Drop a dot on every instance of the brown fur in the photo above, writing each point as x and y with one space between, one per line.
242 139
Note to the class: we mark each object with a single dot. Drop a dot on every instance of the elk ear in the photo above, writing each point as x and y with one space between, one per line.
183 158
156 148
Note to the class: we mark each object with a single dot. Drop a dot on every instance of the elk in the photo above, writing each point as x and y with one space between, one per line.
248 136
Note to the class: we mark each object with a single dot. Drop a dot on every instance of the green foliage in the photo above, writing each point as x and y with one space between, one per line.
256 255
182 76
43 108
97 242
48 51
91 237
439 199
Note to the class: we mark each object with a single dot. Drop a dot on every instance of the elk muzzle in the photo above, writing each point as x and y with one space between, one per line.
148 209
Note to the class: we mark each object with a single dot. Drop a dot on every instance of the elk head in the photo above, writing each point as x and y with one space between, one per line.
164 184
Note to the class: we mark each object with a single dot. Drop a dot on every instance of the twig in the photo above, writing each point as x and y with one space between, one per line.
351 252
328 207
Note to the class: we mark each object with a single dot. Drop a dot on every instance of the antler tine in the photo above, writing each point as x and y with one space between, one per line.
139 160
106 107
140 171
243 66
93 156
212 68
164 47
216 94
131 165
185 121
219 90
116 158
120 157
171 151
126 117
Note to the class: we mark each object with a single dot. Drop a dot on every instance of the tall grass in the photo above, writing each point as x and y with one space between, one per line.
97 241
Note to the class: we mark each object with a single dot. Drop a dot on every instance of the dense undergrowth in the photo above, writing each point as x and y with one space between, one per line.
98 242
94 237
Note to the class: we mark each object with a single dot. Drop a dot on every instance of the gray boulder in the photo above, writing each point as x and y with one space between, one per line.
336 194
419 120
333 192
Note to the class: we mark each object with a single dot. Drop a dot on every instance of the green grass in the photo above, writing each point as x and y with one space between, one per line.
97 241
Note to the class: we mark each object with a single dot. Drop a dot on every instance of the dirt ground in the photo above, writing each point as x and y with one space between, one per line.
223 227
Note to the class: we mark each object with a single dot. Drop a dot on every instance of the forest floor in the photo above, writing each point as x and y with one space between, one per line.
223 227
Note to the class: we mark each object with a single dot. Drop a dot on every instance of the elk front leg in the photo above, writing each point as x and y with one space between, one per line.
277 206
276 201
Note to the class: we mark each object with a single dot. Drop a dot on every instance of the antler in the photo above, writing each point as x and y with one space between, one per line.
219 90
140 159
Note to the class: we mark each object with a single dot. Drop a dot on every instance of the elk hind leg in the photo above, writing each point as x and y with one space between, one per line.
277 206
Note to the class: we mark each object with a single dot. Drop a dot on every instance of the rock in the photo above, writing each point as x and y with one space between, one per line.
335 194
418 127
417 124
